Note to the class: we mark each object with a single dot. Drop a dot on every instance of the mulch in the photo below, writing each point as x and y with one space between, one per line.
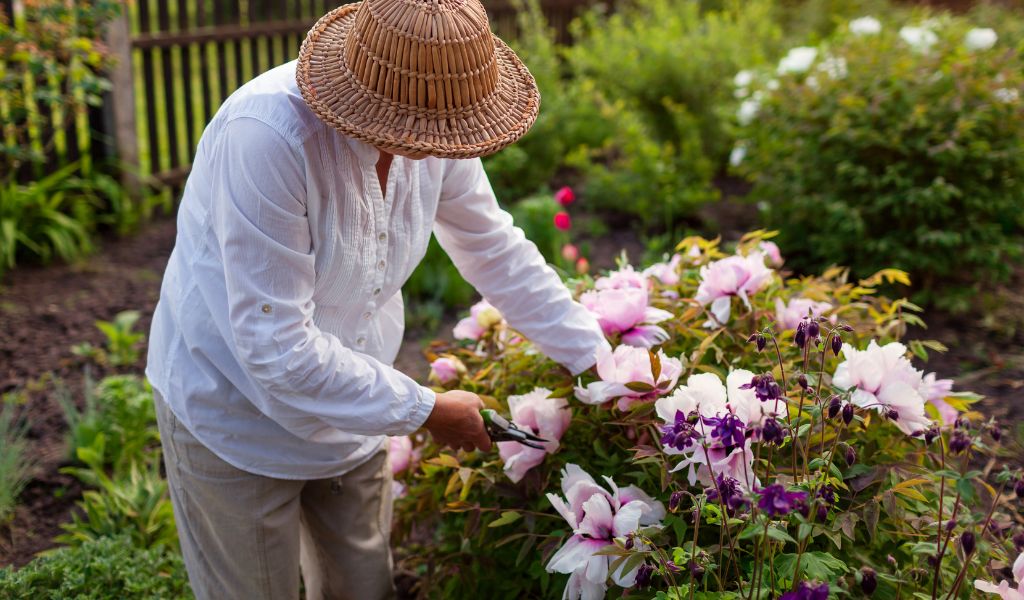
45 310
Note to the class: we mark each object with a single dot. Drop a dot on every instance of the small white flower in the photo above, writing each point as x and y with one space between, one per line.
834 67
798 60
865 26
919 38
980 38
1007 95
743 79
739 152
812 82
772 84
748 110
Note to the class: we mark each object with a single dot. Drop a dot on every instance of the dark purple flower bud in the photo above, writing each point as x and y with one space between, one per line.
643 575
776 501
848 413
933 560
950 525
837 343
761 343
891 560
671 566
821 513
995 529
772 432
728 492
868 580
845 327
959 442
696 569
962 423
835 404
1018 541
800 339
827 493
752 337
967 542
931 434
628 545
996 432
802 380
851 456
892 414
1019 488
813 330
674 500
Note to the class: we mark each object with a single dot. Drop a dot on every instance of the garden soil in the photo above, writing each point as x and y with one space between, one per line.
44 311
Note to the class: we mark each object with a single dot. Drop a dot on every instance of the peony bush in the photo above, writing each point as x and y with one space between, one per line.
892 145
780 440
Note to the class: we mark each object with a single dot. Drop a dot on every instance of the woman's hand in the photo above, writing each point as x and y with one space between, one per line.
456 421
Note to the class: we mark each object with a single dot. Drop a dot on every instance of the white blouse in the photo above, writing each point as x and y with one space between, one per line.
281 312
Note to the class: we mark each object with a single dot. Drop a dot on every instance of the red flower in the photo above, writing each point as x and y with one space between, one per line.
565 196
562 221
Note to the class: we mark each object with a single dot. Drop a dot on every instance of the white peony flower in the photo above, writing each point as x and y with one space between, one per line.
865 26
748 110
919 38
798 60
980 38
739 152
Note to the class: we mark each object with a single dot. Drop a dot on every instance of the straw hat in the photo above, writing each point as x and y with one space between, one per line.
417 77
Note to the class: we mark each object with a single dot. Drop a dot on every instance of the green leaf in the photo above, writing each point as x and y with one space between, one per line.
813 565
507 517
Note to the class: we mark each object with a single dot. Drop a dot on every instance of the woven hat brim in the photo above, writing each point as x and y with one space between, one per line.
341 100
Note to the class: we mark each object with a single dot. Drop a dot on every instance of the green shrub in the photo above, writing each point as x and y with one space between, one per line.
103 569
659 55
117 425
883 154
15 464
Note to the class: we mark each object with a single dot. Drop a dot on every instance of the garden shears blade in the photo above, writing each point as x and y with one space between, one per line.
502 430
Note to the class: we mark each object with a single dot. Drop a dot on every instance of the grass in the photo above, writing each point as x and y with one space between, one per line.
15 464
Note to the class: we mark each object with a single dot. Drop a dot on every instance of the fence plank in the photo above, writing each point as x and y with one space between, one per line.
122 95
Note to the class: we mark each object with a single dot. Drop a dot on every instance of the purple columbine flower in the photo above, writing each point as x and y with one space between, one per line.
728 429
772 432
959 442
776 501
679 434
765 388
808 591
731 494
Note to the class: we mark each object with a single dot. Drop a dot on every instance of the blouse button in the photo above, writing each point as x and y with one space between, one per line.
381 265
367 315
360 341
382 237
376 292
267 309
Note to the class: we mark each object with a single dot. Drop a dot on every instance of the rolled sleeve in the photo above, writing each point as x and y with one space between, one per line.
259 219
508 270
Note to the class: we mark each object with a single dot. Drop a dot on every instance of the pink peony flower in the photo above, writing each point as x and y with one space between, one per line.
788 316
626 365
733 276
482 316
882 378
545 417
562 221
705 467
935 391
597 516
624 311
570 252
624 278
446 369
399 453
1004 589
772 252
666 273
565 196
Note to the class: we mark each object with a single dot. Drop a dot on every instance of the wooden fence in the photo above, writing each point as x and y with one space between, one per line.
184 57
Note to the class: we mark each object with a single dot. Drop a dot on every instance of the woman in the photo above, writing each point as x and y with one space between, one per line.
312 197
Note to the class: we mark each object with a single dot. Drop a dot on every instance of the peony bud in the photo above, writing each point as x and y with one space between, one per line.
967 542
868 580
565 196
582 266
562 221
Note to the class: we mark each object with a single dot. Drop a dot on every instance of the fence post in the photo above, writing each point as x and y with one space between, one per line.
123 98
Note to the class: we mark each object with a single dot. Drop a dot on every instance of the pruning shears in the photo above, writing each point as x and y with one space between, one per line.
502 430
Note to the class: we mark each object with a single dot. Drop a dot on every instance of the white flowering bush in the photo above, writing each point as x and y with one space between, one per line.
768 436
892 145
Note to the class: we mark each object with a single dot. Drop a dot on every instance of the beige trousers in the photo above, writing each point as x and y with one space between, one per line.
245 536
